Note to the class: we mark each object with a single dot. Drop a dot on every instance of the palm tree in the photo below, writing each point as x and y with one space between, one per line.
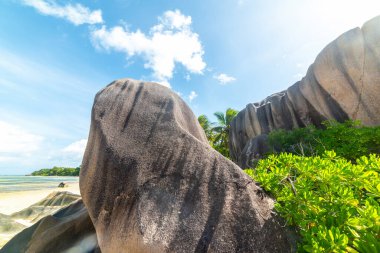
207 127
222 131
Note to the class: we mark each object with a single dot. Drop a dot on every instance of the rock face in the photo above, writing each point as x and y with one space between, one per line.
152 183
69 230
343 83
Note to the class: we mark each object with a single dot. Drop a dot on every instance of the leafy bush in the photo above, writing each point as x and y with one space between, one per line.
350 140
57 171
333 203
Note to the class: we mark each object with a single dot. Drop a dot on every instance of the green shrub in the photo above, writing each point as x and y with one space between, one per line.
350 140
333 203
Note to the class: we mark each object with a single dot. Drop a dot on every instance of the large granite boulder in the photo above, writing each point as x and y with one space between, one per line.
69 230
343 83
152 183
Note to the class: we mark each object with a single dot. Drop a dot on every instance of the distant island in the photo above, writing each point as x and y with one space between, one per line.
57 171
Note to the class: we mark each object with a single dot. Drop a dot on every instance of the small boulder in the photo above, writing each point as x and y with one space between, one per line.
62 185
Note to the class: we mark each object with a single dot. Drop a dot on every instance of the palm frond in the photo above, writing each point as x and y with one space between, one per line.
230 115
218 129
220 117
217 138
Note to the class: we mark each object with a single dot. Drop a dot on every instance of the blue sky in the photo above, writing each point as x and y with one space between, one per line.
55 55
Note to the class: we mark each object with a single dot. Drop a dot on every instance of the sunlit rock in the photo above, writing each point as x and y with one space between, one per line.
343 83
152 183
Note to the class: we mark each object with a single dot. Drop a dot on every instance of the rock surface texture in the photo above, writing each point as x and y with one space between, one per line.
69 230
343 83
152 183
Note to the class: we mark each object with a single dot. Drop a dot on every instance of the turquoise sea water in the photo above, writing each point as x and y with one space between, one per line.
30 183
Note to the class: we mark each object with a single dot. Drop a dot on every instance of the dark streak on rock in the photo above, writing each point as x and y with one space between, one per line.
135 100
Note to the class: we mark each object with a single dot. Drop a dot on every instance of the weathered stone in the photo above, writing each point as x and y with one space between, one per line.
261 146
69 230
152 183
49 205
343 83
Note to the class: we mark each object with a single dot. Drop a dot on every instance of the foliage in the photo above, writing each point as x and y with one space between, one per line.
350 140
207 127
57 171
218 133
333 202
222 131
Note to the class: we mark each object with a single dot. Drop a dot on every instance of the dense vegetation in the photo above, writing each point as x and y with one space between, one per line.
218 132
57 171
325 181
350 140
327 185
333 203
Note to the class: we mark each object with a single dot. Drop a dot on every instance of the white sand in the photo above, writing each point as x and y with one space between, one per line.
4 238
11 202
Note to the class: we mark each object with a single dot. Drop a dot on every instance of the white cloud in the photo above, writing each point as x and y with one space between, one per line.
192 95
179 93
77 147
169 42
45 136
173 20
72 154
16 140
75 13
224 78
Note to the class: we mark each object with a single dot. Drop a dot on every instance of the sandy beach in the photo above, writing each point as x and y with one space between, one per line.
22 193
11 202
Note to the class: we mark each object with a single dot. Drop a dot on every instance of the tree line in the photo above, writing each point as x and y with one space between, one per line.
57 171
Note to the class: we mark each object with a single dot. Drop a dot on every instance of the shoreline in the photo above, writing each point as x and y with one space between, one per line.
39 176
25 200
15 201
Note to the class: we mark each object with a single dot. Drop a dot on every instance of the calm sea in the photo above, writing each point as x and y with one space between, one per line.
30 183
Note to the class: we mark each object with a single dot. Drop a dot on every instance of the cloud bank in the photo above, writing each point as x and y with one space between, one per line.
77 147
16 142
169 42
